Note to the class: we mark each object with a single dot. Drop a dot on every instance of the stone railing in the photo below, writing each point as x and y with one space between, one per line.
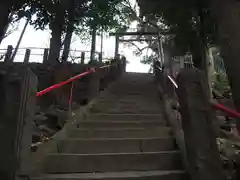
19 85
187 107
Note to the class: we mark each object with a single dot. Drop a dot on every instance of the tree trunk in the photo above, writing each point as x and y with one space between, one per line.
67 43
55 43
93 46
4 15
69 33
227 16
55 46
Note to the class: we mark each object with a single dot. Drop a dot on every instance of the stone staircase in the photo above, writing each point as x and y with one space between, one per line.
126 137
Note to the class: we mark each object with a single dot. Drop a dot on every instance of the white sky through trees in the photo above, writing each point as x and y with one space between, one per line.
40 39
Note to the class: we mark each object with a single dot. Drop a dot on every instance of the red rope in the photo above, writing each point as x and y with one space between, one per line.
56 86
216 105
226 110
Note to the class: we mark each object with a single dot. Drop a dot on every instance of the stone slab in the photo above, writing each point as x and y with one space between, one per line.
80 163
120 133
93 146
120 124
132 175
126 117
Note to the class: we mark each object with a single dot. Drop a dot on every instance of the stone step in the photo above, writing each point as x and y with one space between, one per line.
132 111
119 101
120 133
127 145
136 105
120 97
115 109
82 163
133 104
129 104
126 117
129 175
120 124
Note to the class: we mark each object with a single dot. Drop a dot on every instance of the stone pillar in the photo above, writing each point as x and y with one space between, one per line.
93 84
62 73
17 110
197 122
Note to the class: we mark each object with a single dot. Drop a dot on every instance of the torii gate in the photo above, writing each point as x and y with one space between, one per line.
159 36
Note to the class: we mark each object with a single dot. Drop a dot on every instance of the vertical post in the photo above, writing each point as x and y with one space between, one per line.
8 54
62 73
17 110
93 84
116 46
197 122
100 57
45 55
82 57
27 56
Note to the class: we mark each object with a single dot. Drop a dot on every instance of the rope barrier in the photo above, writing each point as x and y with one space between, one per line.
226 109
218 106
56 86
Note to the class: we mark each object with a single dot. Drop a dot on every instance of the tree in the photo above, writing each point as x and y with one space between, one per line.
69 30
64 17
191 24
12 27
9 12
196 28
5 16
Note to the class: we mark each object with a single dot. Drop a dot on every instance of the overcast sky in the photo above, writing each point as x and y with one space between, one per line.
40 39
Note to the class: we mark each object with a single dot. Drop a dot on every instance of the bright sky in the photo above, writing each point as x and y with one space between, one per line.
40 39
